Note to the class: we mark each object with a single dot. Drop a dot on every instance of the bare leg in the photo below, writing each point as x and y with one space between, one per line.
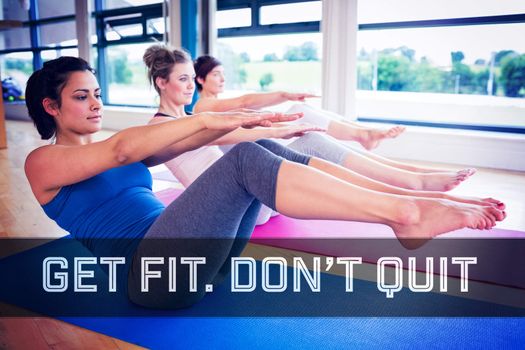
410 167
376 170
369 138
365 182
327 148
336 127
321 196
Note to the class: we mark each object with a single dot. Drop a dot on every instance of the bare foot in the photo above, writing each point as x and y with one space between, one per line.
445 181
477 201
370 138
468 171
428 218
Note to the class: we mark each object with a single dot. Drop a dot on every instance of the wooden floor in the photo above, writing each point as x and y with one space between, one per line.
21 216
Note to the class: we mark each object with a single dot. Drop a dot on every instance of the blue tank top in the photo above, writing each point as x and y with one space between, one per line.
117 203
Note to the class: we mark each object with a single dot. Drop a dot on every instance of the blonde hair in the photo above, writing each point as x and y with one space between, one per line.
160 60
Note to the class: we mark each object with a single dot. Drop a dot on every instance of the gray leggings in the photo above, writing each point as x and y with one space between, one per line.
321 146
215 216
312 144
316 145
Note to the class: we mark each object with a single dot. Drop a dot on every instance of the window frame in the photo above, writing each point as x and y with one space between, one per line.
267 29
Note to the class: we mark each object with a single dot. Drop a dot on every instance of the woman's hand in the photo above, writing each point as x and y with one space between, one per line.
234 120
298 96
294 130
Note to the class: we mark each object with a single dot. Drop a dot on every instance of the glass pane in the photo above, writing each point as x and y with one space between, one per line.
127 76
15 38
64 33
447 64
233 18
291 13
411 10
113 4
48 55
155 26
16 69
119 32
54 8
14 10
272 63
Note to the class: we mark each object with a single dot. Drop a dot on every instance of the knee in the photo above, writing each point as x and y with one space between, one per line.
242 148
309 142
243 152
313 138
268 144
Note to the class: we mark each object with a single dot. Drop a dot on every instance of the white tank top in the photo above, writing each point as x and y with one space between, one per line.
190 165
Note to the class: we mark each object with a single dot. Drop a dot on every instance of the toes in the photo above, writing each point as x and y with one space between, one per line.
482 223
498 214
498 204
491 219
467 172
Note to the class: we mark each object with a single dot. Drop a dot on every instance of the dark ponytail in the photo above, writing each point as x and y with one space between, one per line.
48 82
204 65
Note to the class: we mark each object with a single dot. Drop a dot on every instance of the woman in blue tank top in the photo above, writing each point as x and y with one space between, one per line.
102 189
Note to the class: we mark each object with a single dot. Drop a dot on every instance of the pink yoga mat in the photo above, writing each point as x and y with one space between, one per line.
331 238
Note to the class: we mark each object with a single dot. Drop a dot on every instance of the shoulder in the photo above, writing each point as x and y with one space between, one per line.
201 104
33 167
39 154
159 119
219 104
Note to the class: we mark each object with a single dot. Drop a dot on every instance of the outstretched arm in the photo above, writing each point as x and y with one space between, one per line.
51 167
251 101
211 136
280 131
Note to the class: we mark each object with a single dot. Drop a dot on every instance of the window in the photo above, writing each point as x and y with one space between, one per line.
115 4
49 55
59 34
234 18
14 10
38 32
125 32
15 38
288 44
380 11
278 62
291 13
127 76
16 68
55 8
439 71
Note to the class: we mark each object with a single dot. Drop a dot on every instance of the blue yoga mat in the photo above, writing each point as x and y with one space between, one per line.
312 333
